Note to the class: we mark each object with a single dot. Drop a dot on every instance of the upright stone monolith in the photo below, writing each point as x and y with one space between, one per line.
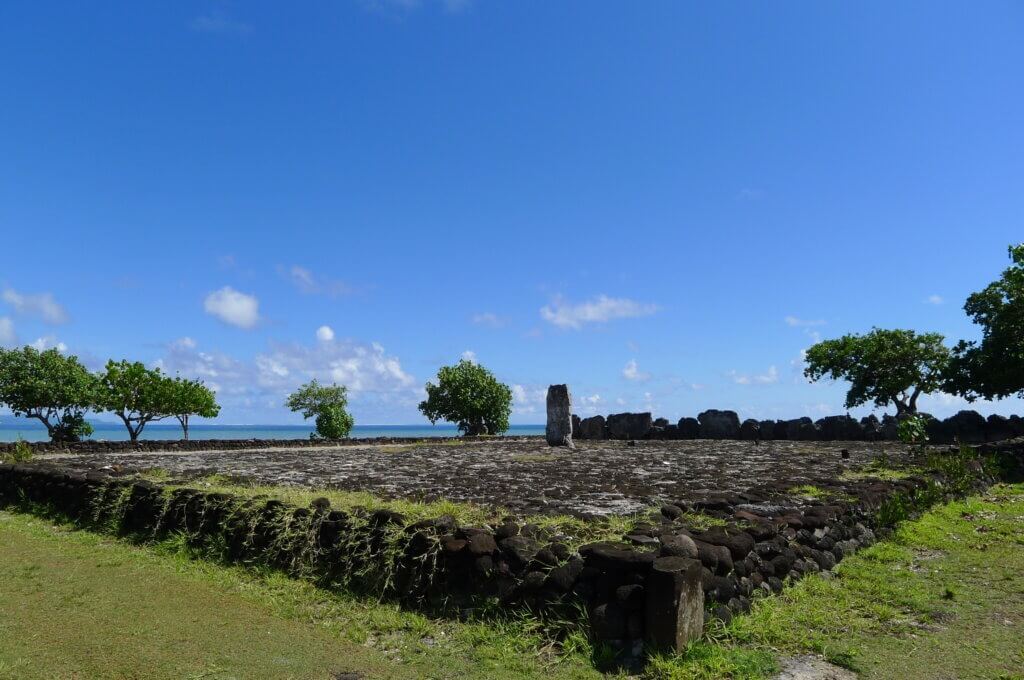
559 429
674 614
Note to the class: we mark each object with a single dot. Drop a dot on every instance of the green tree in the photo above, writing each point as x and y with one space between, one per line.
470 396
52 388
135 394
184 398
994 367
326 403
882 366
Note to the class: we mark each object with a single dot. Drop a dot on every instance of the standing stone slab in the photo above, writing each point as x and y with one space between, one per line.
674 614
592 428
559 429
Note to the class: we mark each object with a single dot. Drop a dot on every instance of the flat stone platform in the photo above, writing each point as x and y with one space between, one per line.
524 475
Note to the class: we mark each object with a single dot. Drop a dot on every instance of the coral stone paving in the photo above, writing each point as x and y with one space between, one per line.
524 475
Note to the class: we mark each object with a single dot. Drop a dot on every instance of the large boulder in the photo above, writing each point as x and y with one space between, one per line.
592 428
750 429
967 426
801 429
999 428
559 427
890 427
715 424
840 428
871 427
629 425
767 429
689 428
781 429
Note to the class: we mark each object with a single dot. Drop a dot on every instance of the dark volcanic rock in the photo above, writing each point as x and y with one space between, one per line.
715 424
840 428
629 425
689 428
801 429
767 429
592 428
559 428
750 429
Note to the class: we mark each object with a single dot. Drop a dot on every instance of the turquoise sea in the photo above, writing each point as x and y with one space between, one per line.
32 431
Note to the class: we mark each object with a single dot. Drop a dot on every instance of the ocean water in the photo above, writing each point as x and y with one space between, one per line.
33 431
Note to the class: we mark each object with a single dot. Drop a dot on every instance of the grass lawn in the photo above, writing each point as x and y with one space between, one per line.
74 604
943 598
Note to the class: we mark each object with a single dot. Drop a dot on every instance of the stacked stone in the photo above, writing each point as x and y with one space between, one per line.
967 427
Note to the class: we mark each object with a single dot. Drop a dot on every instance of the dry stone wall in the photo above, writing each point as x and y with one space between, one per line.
966 426
653 588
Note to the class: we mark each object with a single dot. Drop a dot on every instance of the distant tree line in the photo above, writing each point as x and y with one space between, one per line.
897 366
57 390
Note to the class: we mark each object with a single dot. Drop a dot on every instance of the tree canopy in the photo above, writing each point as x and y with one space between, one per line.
184 398
882 366
135 394
470 396
326 403
50 387
994 367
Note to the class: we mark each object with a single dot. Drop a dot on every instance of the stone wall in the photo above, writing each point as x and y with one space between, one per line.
968 427
155 445
653 588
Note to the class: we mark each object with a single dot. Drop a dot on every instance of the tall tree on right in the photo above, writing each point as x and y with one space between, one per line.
993 367
884 366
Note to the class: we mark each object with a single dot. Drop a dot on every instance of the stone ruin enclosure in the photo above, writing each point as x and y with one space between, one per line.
966 426
717 518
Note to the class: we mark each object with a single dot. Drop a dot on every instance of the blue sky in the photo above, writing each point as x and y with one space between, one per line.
661 203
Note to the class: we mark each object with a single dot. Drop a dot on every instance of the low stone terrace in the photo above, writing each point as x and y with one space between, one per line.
524 475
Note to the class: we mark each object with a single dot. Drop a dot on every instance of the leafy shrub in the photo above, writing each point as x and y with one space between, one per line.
913 429
22 453
327 404
468 395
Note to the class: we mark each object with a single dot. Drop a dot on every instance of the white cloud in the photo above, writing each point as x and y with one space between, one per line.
371 375
325 334
470 356
934 300
313 284
528 399
599 310
797 322
590 404
49 342
232 307
184 343
767 378
632 372
357 366
489 319
40 305
7 336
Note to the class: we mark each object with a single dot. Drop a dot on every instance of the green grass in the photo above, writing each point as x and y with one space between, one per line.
944 598
74 604
699 521
817 493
